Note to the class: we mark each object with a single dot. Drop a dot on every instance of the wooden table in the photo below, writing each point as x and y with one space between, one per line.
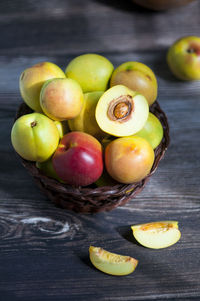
44 249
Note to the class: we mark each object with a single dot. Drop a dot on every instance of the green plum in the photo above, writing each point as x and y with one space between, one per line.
47 168
152 131
91 71
34 137
137 77
183 58
86 121
63 127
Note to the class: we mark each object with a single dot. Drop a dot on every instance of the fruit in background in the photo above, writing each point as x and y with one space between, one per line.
86 121
121 111
61 98
111 263
157 235
35 137
47 168
183 58
137 77
62 127
78 160
32 79
161 4
152 131
129 159
91 71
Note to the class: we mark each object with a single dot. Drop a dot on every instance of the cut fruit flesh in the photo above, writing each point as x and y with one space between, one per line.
111 263
157 235
121 111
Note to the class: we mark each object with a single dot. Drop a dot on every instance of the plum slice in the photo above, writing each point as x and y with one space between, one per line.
111 263
157 235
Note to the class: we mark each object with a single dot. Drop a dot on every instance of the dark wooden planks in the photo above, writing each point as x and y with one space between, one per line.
80 26
44 249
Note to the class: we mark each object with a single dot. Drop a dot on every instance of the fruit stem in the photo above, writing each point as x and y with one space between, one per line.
34 123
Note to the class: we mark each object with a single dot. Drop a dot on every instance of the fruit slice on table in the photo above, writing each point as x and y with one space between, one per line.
121 111
92 71
61 99
157 235
111 263
152 131
86 121
137 77
32 79
129 159
183 58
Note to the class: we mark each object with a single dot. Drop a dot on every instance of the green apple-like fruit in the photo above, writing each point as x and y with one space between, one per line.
32 79
137 77
111 263
121 111
86 121
47 168
34 137
183 58
61 98
63 127
157 235
152 131
91 71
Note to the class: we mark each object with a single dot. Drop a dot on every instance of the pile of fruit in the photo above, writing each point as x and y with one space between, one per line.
90 124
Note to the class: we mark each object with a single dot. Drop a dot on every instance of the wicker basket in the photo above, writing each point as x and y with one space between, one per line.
94 199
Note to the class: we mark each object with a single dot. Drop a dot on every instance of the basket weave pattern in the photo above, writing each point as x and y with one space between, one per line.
94 199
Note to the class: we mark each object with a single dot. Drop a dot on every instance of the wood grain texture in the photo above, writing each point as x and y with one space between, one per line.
44 249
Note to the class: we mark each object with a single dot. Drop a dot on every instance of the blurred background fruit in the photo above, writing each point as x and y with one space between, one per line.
161 4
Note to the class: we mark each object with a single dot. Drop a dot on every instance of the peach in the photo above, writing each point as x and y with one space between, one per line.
129 159
61 99
78 160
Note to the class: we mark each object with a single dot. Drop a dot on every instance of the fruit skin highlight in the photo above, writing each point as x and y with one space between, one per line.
129 159
34 137
152 131
157 235
86 121
61 99
183 58
111 263
78 159
121 111
91 71
32 79
137 77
